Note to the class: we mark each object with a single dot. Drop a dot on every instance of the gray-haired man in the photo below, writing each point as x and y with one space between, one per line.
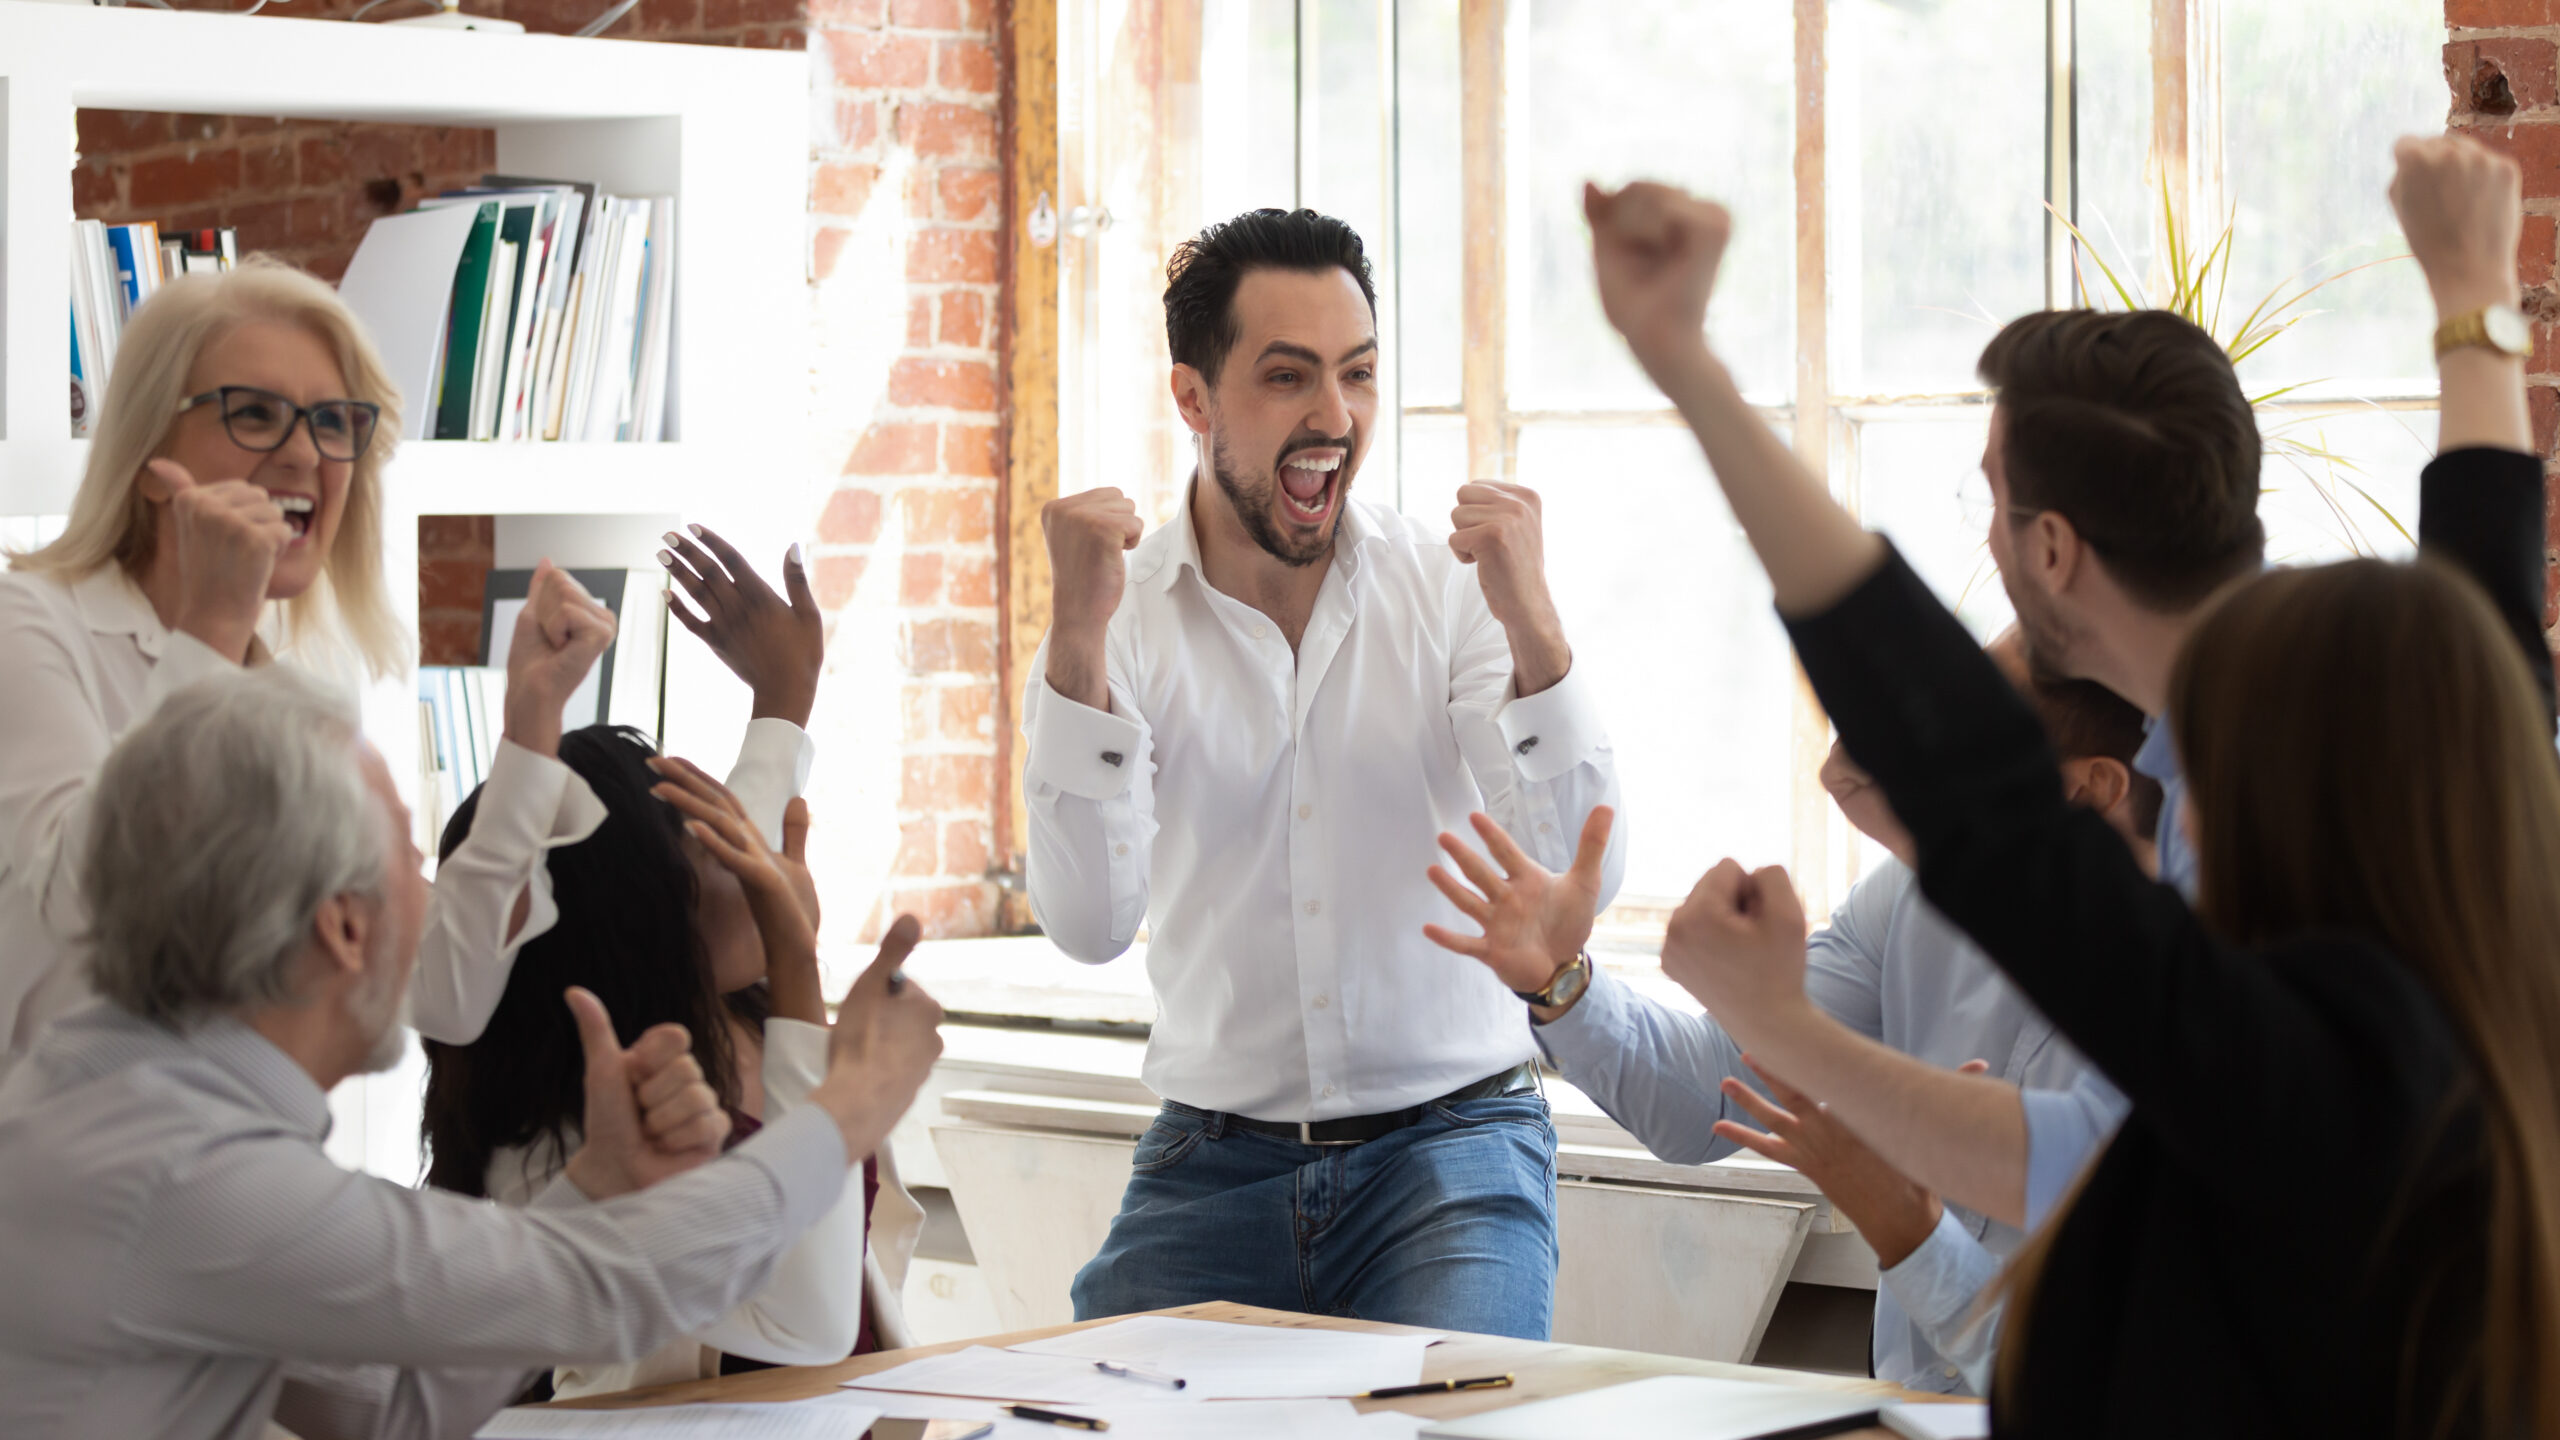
185 1261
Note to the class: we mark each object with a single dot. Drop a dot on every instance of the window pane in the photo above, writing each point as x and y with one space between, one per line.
1697 93
1670 612
1428 239
2313 196
2119 197
1248 107
2343 484
1919 481
1936 176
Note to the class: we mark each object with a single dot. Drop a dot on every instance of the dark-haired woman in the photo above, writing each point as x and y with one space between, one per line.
2335 1207
673 910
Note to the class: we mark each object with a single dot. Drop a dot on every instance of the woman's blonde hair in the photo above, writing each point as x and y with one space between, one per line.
112 522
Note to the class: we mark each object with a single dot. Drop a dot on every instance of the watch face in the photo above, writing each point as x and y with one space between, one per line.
2507 329
1568 987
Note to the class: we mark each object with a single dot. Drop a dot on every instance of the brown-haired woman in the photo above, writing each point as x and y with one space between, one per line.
2335 1208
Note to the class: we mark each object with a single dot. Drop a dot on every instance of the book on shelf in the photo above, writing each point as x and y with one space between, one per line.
558 322
114 270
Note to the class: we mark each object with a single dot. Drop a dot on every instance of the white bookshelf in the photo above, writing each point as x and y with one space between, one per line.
724 130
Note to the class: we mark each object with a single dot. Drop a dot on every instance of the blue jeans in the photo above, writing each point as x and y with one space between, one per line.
1449 1222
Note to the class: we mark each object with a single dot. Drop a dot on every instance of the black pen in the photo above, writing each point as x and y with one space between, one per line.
1053 1417
1436 1387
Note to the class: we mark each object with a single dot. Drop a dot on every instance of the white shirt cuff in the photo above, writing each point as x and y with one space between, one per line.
1554 730
1085 752
773 766
795 1060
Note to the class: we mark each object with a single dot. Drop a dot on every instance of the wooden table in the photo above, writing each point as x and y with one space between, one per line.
1543 1369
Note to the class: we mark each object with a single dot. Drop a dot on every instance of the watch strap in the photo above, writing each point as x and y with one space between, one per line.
2470 328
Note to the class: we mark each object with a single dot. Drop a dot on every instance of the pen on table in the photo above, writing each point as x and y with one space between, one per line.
1053 1417
1436 1387
1139 1372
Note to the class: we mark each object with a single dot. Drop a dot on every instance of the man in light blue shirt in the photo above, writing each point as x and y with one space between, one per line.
1891 968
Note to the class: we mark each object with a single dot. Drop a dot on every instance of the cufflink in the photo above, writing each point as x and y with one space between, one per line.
1110 757
1525 746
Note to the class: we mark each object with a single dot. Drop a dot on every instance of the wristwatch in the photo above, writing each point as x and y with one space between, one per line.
1565 988
2502 328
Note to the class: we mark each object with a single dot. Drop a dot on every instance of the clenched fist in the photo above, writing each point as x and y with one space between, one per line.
1089 535
2460 204
558 637
1737 944
227 535
1655 250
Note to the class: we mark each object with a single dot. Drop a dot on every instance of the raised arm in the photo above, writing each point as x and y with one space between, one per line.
1656 251
2480 505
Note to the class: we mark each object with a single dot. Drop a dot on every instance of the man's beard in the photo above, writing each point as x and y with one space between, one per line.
2043 633
1256 501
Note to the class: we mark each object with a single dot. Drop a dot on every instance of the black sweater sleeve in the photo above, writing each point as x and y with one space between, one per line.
2248 1067
2481 510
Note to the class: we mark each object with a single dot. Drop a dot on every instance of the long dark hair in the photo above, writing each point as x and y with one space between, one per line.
2368 755
626 931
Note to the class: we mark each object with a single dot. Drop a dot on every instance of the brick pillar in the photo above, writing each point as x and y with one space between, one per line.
905 173
2499 65
455 555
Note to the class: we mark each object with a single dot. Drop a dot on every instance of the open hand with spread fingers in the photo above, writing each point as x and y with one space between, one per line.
779 894
1535 922
649 1113
1894 1212
777 645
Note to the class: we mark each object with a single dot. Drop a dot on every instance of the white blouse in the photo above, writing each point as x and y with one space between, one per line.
84 660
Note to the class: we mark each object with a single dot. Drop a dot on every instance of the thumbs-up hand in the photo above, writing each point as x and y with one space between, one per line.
1534 922
650 1114
888 1033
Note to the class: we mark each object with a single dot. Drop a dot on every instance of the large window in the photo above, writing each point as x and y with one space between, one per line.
1895 167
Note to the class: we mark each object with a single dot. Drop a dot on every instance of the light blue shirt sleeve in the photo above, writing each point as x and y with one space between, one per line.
1940 1286
1660 1073
2065 1129
1653 1069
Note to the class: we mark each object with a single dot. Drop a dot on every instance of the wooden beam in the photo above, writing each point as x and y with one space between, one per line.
2061 151
1030 358
2186 120
1481 108
1809 730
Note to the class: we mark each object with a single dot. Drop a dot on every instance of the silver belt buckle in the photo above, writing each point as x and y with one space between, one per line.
1307 1136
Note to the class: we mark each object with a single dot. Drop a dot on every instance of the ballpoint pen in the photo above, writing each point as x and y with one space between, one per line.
1139 1372
1054 1417
1436 1387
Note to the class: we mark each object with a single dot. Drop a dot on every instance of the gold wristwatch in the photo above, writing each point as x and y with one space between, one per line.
2502 328
1565 988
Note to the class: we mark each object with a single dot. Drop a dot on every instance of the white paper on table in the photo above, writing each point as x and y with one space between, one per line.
1938 1422
1241 1419
1387 1425
991 1374
400 283
830 1418
1247 1362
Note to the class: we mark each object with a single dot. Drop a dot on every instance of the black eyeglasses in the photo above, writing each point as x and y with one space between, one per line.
262 420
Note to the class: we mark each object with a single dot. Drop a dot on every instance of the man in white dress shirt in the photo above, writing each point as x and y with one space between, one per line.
1247 734
185 1261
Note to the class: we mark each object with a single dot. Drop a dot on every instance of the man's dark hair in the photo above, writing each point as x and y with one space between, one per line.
2087 721
1201 279
2131 426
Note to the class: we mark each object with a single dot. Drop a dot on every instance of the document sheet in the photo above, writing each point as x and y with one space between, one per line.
1220 1362
832 1418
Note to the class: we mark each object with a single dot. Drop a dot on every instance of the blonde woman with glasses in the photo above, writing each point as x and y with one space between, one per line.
231 516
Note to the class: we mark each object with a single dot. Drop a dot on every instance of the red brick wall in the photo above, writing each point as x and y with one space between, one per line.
907 97
455 555
2499 65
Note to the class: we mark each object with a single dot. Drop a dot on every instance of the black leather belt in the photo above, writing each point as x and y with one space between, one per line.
1360 1129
